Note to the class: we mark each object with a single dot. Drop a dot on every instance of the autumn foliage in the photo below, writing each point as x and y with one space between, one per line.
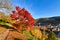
23 18
20 25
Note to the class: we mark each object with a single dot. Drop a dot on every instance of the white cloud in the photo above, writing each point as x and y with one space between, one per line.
4 11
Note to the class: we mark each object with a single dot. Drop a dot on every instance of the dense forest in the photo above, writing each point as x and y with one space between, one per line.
46 21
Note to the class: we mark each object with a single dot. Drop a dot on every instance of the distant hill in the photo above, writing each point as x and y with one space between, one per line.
46 21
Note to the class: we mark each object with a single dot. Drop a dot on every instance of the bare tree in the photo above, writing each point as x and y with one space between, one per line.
6 4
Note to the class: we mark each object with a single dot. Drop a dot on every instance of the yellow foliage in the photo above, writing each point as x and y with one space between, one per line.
9 19
58 38
2 15
2 29
36 32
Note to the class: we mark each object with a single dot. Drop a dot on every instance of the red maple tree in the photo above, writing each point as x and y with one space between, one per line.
23 18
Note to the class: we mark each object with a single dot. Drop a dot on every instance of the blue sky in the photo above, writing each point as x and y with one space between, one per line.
40 8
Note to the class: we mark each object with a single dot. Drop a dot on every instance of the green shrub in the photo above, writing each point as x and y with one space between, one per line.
51 36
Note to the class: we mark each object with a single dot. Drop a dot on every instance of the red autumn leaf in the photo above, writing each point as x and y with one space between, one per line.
28 15
18 8
31 20
14 15
19 28
21 12
27 28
